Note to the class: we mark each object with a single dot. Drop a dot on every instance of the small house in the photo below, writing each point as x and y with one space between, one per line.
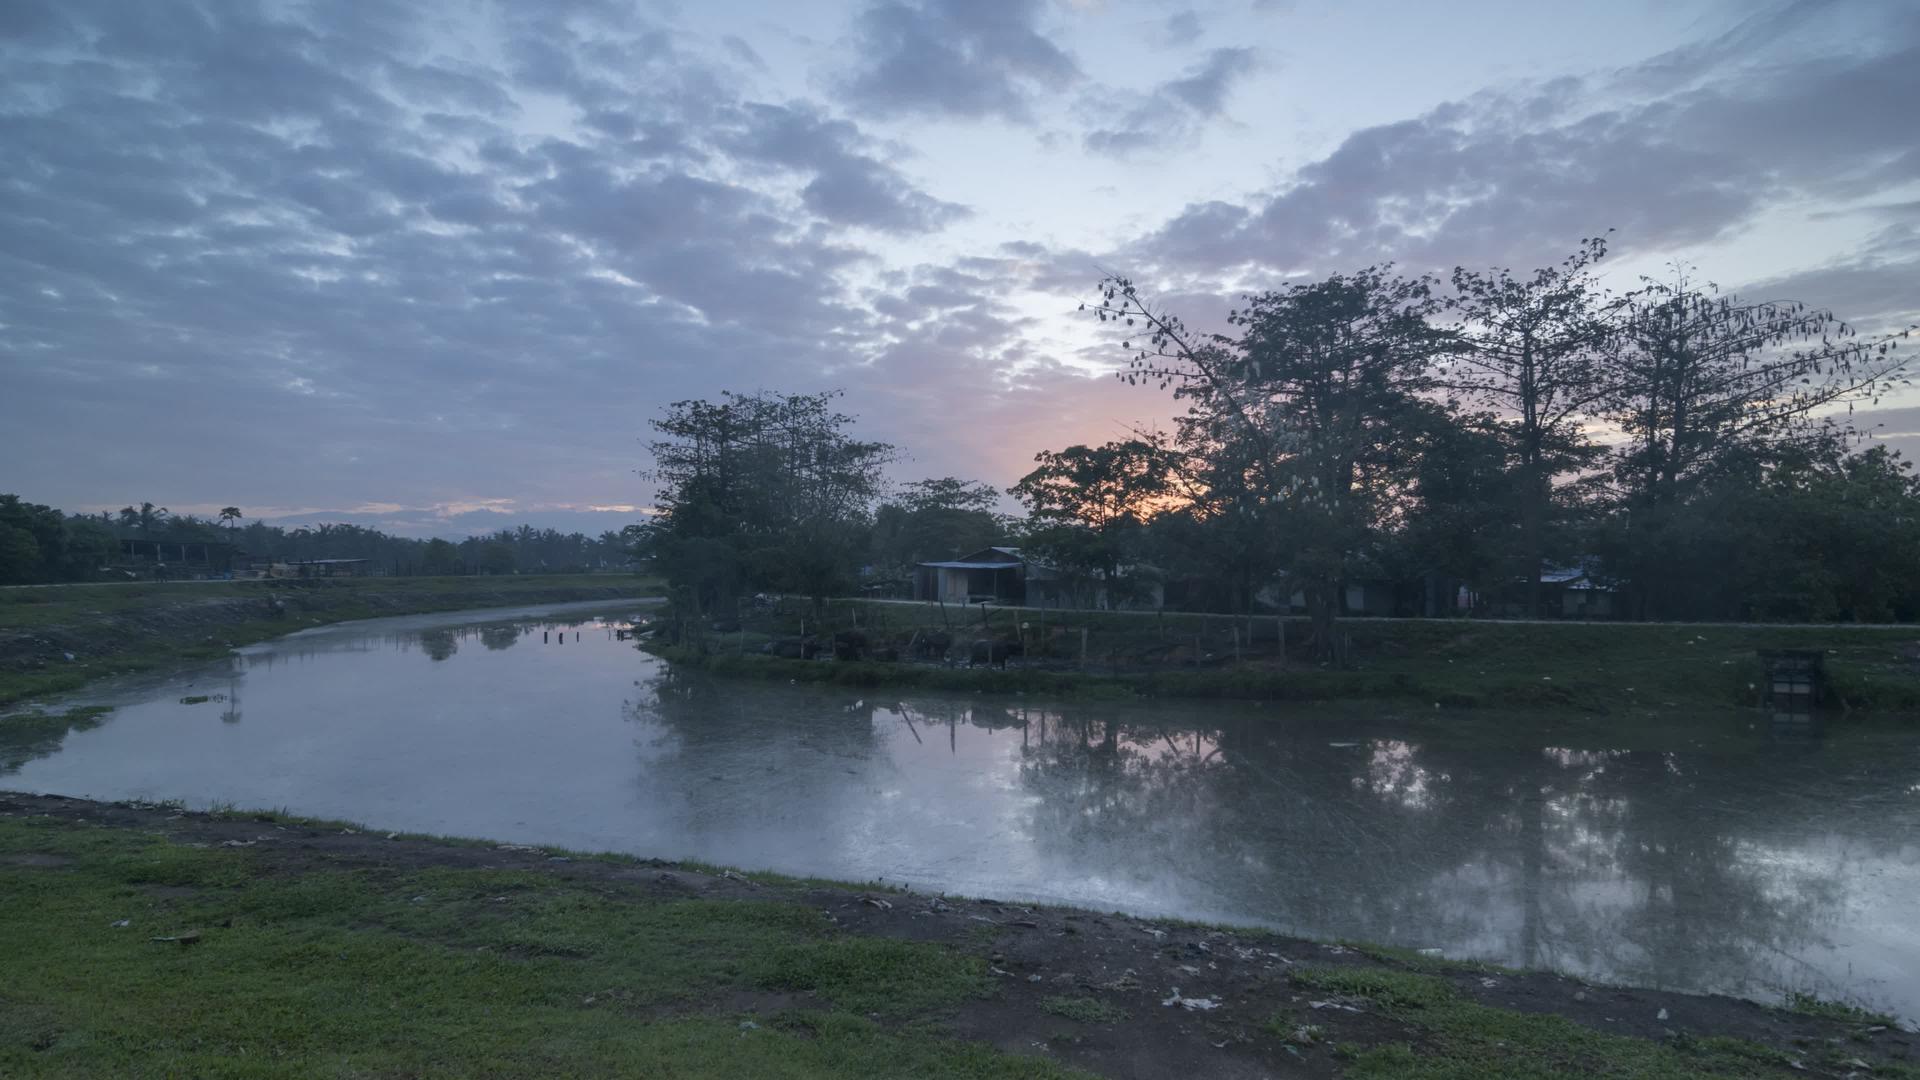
1581 596
319 568
1002 575
994 575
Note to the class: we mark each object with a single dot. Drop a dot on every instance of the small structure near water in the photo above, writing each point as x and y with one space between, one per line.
1795 679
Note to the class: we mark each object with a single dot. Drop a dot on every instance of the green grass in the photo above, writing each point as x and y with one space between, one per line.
1811 1005
132 628
444 972
1457 1039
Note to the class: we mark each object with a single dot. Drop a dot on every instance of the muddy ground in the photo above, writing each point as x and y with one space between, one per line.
1036 954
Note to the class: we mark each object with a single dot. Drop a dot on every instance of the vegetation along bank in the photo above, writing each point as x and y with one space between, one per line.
154 941
1607 668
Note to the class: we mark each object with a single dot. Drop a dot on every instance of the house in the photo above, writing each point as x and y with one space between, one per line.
1001 575
313 568
1581 597
995 574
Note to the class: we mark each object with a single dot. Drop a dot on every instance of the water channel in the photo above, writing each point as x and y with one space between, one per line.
1722 854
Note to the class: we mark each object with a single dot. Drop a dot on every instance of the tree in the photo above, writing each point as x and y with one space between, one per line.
40 544
20 560
762 491
1087 503
1458 505
439 557
1533 349
936 519
496 558
1701 383
230 516
1308 404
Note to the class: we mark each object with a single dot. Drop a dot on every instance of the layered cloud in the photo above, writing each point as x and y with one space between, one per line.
1175 111
1686 149
954 58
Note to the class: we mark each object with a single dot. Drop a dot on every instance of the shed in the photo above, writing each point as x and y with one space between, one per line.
995 574
312 568
1581 597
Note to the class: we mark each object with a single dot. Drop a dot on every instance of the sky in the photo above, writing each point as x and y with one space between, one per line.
432 266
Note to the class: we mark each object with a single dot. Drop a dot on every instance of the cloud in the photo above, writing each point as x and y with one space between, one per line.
848 186
959 59
1876 287
1182 27
354 260
1512 174
1173 112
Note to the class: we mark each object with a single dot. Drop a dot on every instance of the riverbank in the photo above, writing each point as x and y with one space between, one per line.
55 639
1613 668
155 941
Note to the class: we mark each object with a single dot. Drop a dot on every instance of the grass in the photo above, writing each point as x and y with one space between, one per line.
448 972
1620 668
1456 1039
117 629
1811 1005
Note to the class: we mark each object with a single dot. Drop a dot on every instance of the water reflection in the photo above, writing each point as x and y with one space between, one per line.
1729 855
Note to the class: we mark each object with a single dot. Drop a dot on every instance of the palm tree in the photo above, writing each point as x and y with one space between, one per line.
231 515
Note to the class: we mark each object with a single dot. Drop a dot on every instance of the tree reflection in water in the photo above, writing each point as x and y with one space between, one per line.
1680 868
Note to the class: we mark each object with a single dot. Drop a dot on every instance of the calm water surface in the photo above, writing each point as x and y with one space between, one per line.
1724 855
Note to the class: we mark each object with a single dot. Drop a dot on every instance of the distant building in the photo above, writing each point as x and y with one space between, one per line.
996 574
1580 596
314 568
180 559
1002 575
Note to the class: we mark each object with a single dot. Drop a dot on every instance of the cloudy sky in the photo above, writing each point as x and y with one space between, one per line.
434 265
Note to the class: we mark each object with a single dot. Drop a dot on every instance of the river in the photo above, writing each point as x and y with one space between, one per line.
1723 854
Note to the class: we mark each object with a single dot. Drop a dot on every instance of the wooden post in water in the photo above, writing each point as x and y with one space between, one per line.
1236 643
1083 648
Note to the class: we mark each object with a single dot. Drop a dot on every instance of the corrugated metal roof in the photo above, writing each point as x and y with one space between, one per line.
972 565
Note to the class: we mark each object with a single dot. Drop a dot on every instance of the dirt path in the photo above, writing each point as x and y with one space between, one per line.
1097 991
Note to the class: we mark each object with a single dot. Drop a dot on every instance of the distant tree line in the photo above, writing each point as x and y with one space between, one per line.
40 544
1688 450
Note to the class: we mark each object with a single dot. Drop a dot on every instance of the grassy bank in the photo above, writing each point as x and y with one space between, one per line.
1613 668
142 940
59 638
